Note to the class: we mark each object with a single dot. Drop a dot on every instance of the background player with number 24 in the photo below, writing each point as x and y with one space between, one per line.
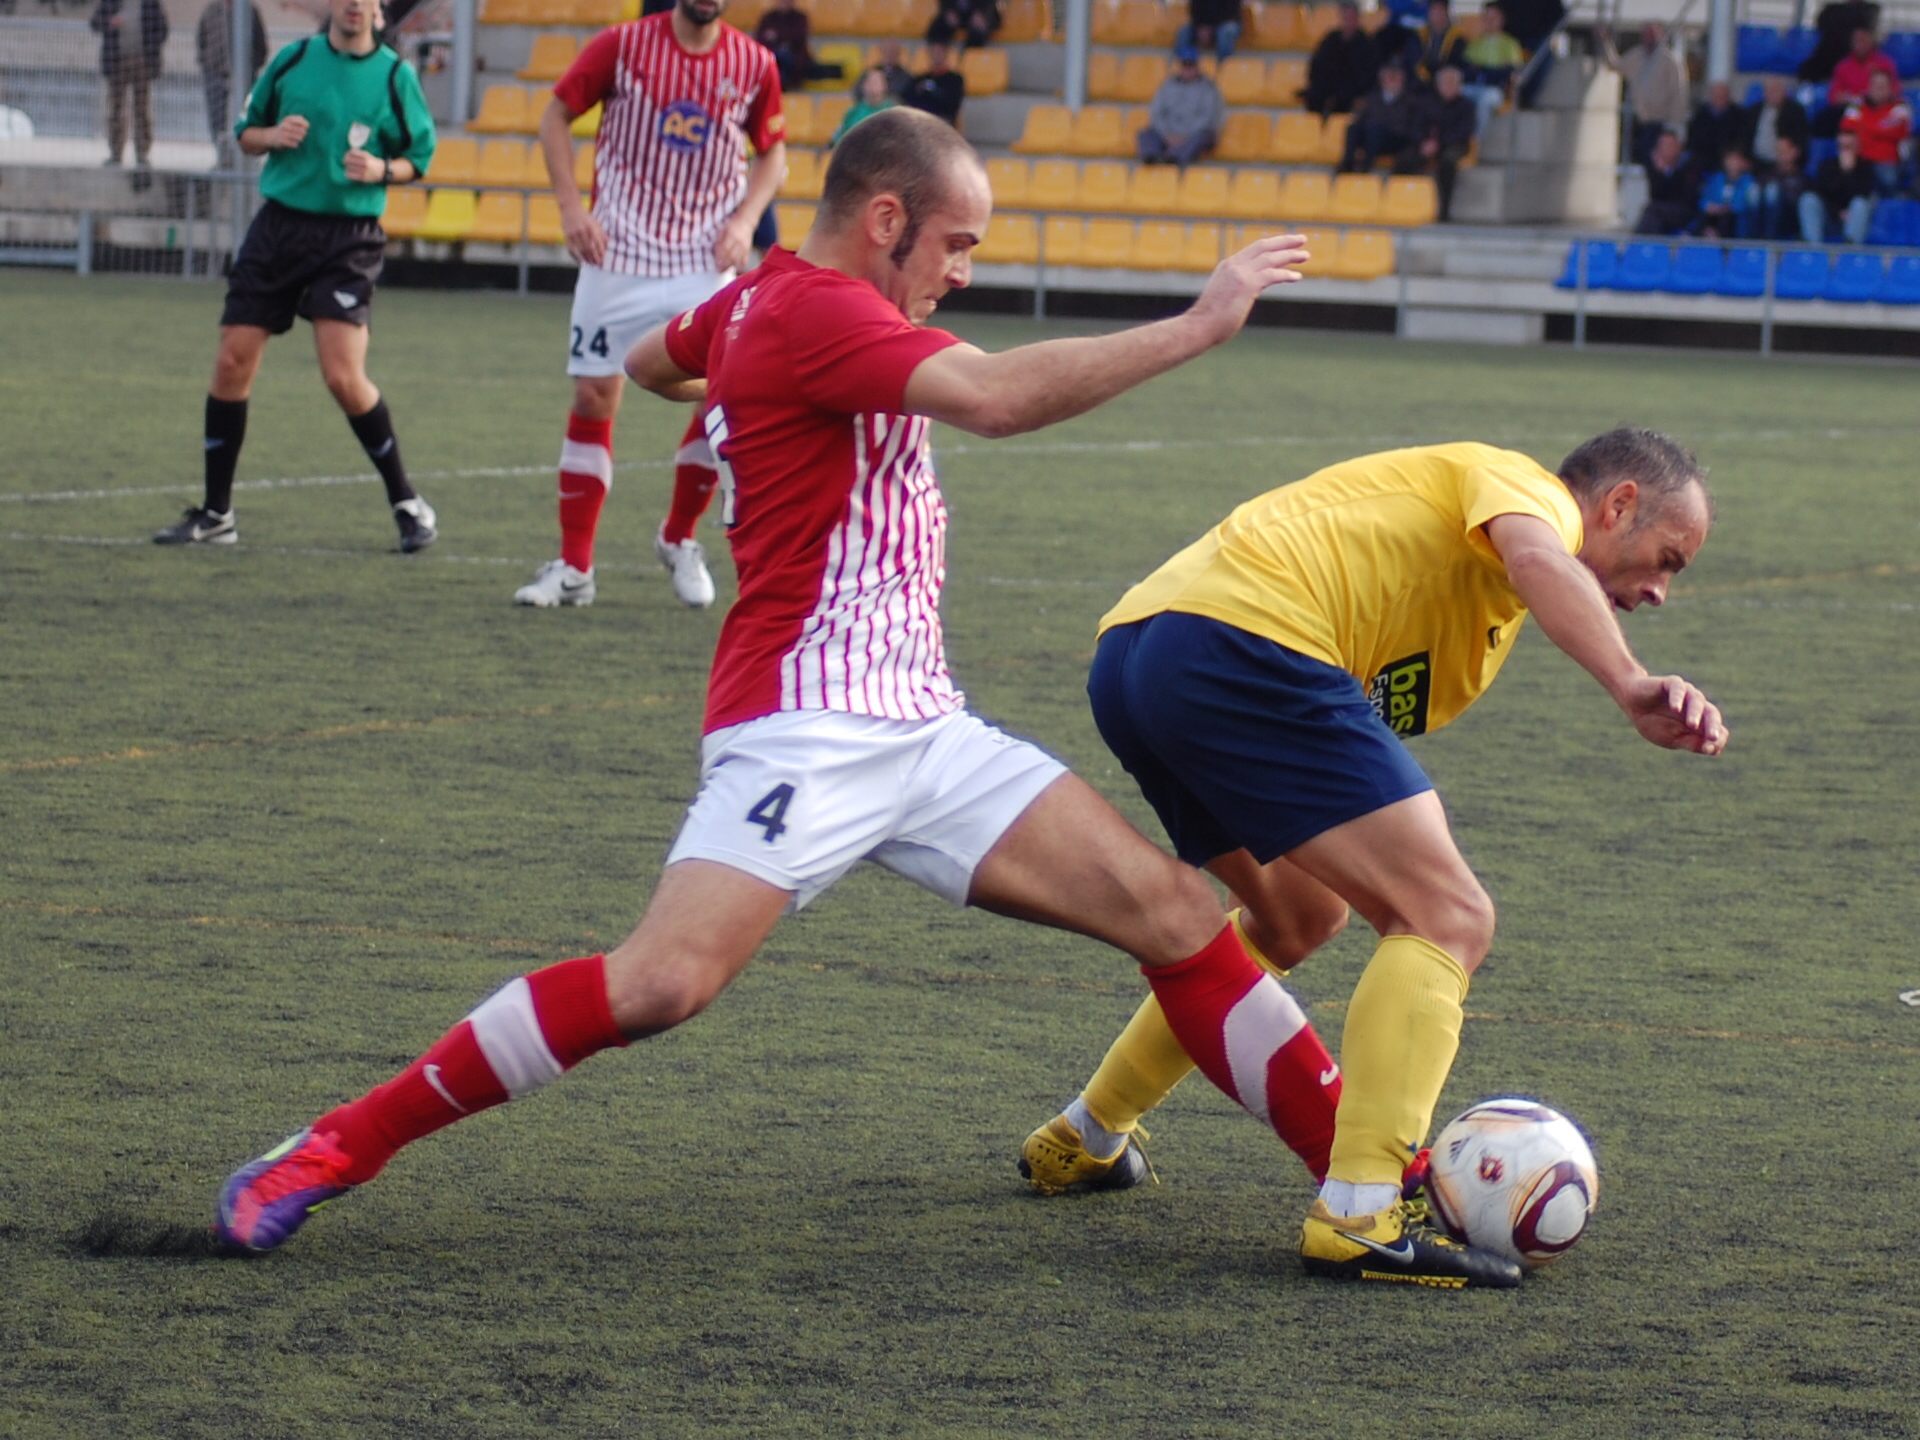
675 203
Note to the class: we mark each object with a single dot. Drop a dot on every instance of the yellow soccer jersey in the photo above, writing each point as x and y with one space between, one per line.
1378 566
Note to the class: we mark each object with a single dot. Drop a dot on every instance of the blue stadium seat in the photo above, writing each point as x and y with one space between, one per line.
1811 97
1795 47
1756 92
1854 278
1757 49
1903 48
1603 259
1901 284
1696 271
1745 274
1819 152
1644 266
1896 221
1801 275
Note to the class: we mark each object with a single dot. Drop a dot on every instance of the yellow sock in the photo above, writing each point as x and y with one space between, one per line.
1403 1029
1140 1070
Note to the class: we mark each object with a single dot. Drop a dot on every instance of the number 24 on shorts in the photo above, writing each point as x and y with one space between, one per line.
597 345
770 812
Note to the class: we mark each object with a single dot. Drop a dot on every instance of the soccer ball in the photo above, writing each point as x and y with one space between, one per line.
1516 1178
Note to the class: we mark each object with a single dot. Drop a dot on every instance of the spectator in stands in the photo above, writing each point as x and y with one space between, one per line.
1343 66
893 65
1446 130
1441 42
785 31
1841 194
871 96
1493 58
971 22
1185 119
1532 23
941 91
130 59
1385 122
212 39
1882 121
1836 24
1673 190
1851 75
1777 117
1656 85
1731 200
1717 123
1213 23
1781 191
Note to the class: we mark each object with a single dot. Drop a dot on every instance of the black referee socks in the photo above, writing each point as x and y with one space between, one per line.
375 433
226 428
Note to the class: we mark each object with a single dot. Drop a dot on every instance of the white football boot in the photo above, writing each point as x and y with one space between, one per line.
557 583
687 563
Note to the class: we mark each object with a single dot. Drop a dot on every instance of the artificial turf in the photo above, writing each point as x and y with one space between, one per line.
276 815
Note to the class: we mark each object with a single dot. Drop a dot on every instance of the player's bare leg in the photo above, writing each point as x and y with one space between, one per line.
342 349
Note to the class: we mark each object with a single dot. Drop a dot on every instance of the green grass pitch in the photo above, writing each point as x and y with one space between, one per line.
275 816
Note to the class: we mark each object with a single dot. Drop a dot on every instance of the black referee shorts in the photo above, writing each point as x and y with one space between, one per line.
293 262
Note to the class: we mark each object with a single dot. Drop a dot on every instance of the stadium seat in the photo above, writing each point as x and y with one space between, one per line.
1274 27
804 175
800 127
1901 284
834 17
1243 80
1203 191
1305 195
505 12
1896 221
881 17
1318 21
1903 48
600 13
1140 76
535 175
1796 47
1062 238
1011 240
1756 49
1201 252
1744 276
1853 279
1603 259
1819 151
537 100
1007 179
1103 186
1286 78
1697 270
793 222
503 111
456 161
550 57
406 208
1021 22
914 57
1108 245
543 221
583 167
828 112
1047 130
1247 136
1364 255
1054 185
1333 140
1254 195
1103 75
1152 190
848 56
1644 266
1356 199
985 72
449 215
1296 137
920 15
499 218
1097 131
1802 274
1159 245
502 163
1410 200
1323 249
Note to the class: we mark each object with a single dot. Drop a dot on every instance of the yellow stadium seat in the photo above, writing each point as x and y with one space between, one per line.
793 221
800 126
1135 119
546 12
543 221
1011 240
828 112
1103 75
1275 27
456 161
599 13
913 57
985 71
1054 185
920 15
1203 191
1202 250
1022 21
1319 20
744 15
882 17
1305 195
1153 190
550 57
587 126
1356 199
1364 255
1007 179
536 172
1047 131
1333 139
503 111
1140 22
406 208
449 215
1296 137
1105 23
1243 80
834 17
1247 136
1140 76
848 57
1108 245
583 167
1097 131
1254 195
499 217
502 162
505 12
1063 238
1103 186
1286 78
538 98
1159 244
1323 250
804 175
1410 200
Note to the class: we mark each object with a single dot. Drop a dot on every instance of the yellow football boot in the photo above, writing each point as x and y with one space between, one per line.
1054 1161
1397 1245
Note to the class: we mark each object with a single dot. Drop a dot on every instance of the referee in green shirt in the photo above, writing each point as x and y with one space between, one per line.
340 117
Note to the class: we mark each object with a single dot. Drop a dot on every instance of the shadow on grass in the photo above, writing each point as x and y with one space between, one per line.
114 1235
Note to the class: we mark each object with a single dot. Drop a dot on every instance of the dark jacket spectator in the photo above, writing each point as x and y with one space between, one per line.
1673 190
1385 122
1781 192
1211 24
1343 68
971 22
1717 125
212 39
1441 42
1532 21
1843 178
940 91
1836 24
1778 116
787 32
127 40
1444 123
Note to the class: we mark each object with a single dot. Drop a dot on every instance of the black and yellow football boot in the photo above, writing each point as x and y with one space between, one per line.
1399 1246
1055 1161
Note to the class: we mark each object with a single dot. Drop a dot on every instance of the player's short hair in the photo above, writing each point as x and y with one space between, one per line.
903 152
1661 466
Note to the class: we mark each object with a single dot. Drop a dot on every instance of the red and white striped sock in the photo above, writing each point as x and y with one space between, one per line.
586 472
1250 1038
526 1034
694 479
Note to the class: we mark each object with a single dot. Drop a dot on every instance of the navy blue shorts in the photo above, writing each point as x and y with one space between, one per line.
1239 743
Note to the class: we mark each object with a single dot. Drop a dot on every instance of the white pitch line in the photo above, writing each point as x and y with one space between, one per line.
301 482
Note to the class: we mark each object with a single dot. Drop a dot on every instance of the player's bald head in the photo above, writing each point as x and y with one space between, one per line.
1664 469
901 152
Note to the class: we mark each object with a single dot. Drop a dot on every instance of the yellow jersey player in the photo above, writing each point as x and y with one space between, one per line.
1258 687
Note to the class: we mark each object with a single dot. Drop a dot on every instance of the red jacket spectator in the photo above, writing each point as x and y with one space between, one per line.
1851 75
1881 128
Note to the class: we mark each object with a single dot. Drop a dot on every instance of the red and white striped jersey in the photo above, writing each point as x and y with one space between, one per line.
670 161
837 526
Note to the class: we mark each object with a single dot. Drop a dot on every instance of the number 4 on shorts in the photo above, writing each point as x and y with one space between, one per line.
770 812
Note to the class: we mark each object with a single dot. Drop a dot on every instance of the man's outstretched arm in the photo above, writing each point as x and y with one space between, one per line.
1575 614
1038 385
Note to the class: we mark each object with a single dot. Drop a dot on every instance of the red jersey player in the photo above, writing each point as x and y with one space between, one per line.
675 202
834 731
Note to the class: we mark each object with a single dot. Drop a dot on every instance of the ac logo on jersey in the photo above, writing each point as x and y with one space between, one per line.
1399 694
684 126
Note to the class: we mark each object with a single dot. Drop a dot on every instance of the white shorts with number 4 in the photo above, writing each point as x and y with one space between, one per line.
611 312
799 798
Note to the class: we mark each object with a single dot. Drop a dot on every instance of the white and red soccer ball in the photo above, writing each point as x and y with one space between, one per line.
1516 1178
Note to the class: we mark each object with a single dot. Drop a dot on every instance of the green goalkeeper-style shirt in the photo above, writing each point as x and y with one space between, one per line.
338 94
